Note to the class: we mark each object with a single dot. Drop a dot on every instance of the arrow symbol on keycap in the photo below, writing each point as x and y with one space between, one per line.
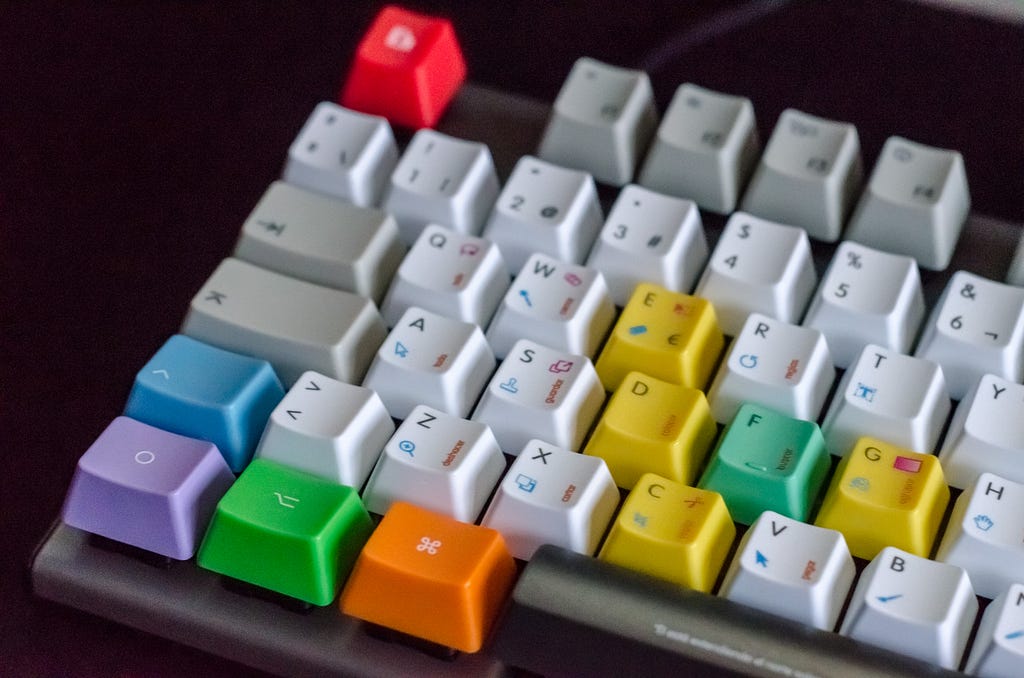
886 599
292 413
165 373
760 559
282 497
313 386
272 226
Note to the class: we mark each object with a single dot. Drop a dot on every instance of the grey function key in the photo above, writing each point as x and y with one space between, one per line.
293 324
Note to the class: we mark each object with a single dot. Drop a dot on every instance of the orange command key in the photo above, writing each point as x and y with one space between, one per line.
430 576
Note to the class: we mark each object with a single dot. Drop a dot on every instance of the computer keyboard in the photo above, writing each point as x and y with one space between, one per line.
565 325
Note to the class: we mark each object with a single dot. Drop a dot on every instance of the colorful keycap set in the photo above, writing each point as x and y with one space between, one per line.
563 428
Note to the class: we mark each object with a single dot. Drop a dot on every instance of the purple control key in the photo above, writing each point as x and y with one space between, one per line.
146 487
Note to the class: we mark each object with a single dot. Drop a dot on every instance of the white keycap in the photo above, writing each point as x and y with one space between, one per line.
545 208
761 266
705 149
442 180
986 434
998 649
454 274
913 606
791 569
344 154
867 297
888 395
432 360
560 305
553 496
649 237
984 534
808 176
328 428
294 325
539 391
1015 274
323 240
916 203
602 121
977 327
440 462
775 364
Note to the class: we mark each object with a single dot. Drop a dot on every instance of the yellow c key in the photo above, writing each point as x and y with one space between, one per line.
671 531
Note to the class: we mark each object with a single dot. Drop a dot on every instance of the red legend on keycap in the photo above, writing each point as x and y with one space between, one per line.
407 68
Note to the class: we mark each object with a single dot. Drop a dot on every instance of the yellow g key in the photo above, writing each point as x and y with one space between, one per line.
883 495
668 335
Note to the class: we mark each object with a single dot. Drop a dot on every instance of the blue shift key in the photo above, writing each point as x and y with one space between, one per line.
200 391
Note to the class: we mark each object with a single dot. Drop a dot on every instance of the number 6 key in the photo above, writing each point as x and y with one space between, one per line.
976 328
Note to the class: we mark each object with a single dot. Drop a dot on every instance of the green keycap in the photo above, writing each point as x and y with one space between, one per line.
766 460
286 531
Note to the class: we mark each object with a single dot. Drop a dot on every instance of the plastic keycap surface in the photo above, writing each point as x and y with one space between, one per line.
201 391
432 577
142 486
286 531
407 68
766 460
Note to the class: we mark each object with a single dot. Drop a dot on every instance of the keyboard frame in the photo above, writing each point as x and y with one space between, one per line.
190 605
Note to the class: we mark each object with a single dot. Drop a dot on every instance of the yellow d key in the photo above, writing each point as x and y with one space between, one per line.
653 426
668 335
883 495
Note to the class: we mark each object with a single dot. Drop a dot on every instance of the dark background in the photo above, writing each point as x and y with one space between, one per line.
135 138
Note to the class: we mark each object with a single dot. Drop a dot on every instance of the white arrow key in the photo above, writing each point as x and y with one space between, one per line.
560 305
913 606
344 154
553 496
328 428
986 434
791 569
888 395
984 534
998 650
540 391
437 461
431 360
775 364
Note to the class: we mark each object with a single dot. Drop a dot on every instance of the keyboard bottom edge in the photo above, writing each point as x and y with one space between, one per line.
189 605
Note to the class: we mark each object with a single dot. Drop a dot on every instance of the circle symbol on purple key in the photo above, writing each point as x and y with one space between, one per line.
144 457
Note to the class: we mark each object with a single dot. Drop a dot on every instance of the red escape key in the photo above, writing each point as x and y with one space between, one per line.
407 68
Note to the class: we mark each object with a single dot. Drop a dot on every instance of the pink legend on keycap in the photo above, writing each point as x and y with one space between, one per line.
907 464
